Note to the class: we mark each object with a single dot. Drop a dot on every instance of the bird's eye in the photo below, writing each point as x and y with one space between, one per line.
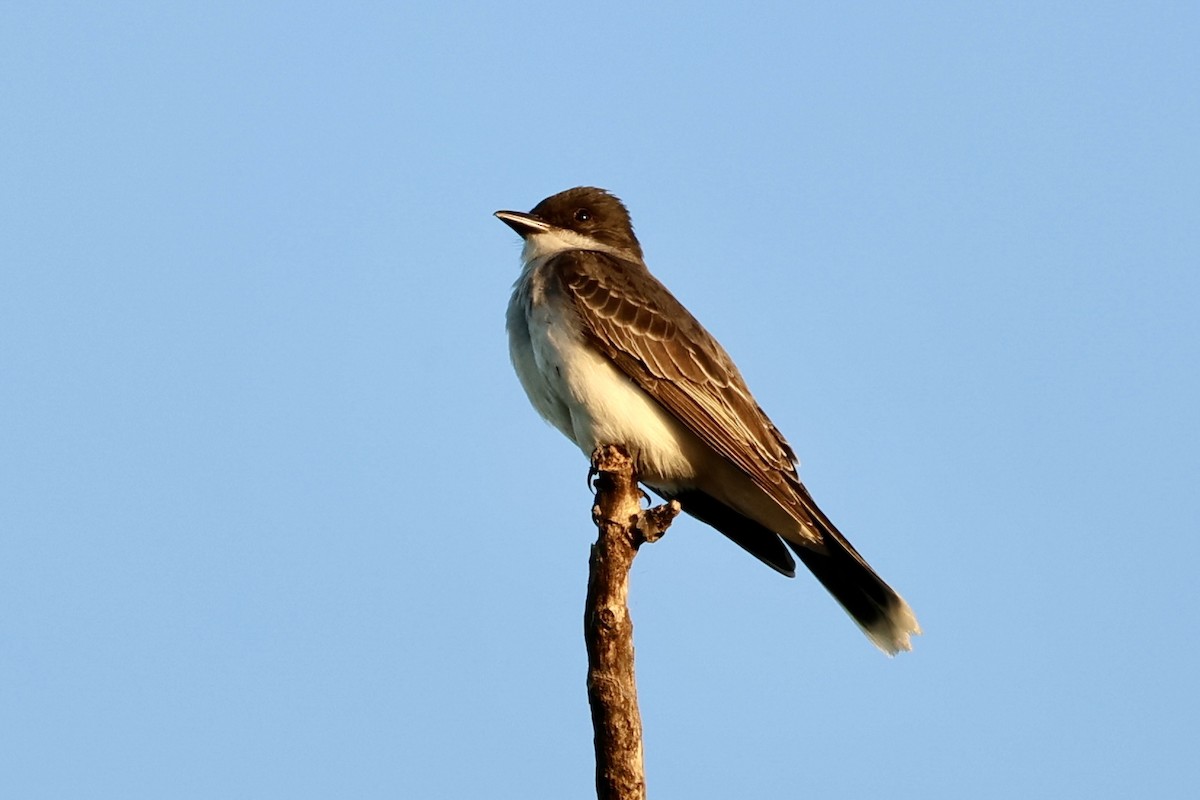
583 215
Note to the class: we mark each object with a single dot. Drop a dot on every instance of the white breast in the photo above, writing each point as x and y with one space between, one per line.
580 392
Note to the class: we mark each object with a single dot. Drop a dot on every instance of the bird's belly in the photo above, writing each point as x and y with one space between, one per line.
606 407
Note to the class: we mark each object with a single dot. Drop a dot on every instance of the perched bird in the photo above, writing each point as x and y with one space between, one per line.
608 356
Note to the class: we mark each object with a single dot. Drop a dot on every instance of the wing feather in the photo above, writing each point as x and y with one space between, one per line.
653 339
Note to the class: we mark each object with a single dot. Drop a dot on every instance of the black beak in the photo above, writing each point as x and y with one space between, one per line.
523 224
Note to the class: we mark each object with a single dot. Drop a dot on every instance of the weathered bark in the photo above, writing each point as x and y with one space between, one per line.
608 629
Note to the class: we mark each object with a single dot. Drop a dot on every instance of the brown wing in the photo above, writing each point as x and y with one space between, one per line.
653 339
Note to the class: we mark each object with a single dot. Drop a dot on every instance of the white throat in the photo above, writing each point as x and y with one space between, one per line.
543 245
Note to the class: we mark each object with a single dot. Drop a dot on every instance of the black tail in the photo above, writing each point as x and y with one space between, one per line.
879 611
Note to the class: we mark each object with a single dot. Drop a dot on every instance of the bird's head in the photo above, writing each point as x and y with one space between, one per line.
583 218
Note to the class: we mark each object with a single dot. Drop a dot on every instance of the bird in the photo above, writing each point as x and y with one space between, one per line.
608 355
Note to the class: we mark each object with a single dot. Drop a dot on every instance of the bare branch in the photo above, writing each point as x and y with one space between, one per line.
612 688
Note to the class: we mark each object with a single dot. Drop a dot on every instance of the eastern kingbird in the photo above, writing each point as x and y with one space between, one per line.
608 356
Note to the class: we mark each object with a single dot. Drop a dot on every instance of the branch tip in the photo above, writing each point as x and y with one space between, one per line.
652 523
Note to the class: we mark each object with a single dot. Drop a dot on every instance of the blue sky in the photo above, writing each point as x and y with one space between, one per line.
277 520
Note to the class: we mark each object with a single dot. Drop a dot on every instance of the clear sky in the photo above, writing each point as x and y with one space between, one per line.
276 519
